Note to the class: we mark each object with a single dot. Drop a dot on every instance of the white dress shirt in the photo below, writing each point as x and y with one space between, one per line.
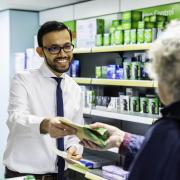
33 97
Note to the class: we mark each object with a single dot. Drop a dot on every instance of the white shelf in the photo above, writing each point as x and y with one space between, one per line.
124 116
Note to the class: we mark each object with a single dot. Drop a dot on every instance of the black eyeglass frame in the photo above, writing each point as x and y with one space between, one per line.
60 48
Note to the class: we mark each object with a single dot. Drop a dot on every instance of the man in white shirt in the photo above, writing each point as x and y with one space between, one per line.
33 124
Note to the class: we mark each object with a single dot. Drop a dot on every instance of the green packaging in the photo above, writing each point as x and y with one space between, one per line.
131 16
136 73
140 35
141 24
127 69
116 22
100 26
133 35
149 25
104 71
160 25
127 36
150 35
127 25
107 39
112 33
119 37
153 105
158 18
99 39
144 105
147 18
135 104
124 103
98 72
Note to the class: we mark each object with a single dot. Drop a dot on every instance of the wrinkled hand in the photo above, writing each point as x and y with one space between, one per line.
115 139
55 128
72 154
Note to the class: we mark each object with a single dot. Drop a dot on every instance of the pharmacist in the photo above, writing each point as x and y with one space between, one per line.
159 155
37 98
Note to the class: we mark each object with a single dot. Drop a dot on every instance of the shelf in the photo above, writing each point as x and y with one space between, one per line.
83 80
81 50
115 82
132 47
126 116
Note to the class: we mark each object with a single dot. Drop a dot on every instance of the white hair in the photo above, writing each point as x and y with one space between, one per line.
165 56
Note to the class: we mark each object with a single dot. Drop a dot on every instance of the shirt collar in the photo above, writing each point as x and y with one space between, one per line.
46 72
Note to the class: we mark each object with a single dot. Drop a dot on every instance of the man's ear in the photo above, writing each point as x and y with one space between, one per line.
40 51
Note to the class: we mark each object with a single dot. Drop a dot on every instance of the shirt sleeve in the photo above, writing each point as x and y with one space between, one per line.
129 148
19 115
78 118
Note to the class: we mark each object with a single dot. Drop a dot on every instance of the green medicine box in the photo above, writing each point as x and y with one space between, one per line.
141 24
150 25
150 35
98 72
127 36
140 36
99 39
127 25
160 25
131 16
153 105
119 37
104 72
100 26
107 39
133 35
147 19
144 105
134 104
116 22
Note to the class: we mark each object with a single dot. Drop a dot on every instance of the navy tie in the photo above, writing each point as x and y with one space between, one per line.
60 141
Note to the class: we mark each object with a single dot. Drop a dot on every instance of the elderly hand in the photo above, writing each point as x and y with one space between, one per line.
115 139
55 128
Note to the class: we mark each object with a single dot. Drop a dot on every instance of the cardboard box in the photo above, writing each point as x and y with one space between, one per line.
140 36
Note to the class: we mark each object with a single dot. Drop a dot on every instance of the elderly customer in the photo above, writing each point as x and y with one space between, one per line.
159 155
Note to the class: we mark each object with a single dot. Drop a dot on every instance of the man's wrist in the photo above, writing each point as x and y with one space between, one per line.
44 126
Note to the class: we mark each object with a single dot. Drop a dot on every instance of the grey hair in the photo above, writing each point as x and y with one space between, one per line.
165 56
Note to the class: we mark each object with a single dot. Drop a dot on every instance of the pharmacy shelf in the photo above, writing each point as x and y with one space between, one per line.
81 50
83 80
126 116
132 47
115 82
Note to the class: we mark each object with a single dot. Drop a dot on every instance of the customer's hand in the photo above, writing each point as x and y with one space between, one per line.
73 154
55 128
115 139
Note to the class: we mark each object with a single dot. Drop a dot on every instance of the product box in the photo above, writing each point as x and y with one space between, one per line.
119 72
107 39
134 104
105 101
153 105
140 36
90 98
124 102
98 72
119 37
160 25
127 69
133 36
147 18
144 105
86 31
149 25
113 104
116 22
111 71
99 39
75 68
127 36
104 72
131 16
127 25
98 100
135 75
141 24
150 35
158 18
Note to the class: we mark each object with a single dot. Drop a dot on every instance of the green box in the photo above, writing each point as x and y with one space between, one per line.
98 72
147 18
144 105
119 37
160 25
112 29
100 26
126 25
140 36
136 73
150 25
150 35
127 36
107 39
141 24
131 16
158 18
134 103
116 22
127 69
153 105
104 71
99 39
133 36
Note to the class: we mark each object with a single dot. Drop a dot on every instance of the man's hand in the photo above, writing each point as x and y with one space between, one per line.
72 153
115 139
55 128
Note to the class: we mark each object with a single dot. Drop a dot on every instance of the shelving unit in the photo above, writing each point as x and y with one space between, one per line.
116 82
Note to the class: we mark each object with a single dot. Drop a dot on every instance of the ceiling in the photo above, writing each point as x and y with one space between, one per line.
36 5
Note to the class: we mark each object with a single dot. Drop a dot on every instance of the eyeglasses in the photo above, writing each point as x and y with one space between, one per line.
56 49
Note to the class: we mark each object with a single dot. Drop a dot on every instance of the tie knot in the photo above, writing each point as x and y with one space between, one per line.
58 80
